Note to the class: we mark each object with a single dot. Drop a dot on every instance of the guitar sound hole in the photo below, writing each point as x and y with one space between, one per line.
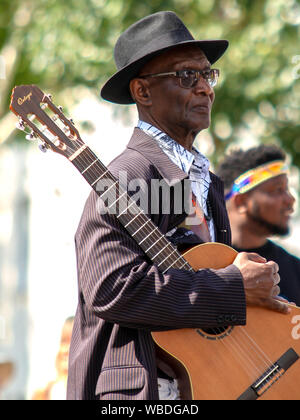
215 333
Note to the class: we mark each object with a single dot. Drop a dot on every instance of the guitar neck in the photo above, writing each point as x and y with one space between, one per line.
147 235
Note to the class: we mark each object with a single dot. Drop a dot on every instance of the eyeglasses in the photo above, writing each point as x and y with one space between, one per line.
189 78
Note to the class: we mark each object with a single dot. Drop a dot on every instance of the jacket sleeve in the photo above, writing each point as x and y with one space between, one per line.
119 284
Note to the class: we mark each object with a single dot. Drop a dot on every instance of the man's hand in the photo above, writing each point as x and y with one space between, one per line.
261 281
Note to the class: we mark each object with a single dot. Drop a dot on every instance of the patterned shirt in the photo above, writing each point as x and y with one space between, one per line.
192 163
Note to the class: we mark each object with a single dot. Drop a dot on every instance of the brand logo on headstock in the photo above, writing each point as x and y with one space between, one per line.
24 99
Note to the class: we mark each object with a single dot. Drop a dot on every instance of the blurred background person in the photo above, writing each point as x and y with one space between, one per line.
56 389
260 205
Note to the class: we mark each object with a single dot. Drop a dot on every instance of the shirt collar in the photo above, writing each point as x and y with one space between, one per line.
144 144
177 153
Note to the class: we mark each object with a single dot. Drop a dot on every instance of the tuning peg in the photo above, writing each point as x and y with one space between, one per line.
30 136
66 130
72 121
60 108
43 147
21 125
49 96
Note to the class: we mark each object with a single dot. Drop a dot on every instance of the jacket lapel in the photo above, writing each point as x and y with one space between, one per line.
219 212
148 147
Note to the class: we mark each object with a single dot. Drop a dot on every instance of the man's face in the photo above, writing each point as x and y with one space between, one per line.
178 110
270 206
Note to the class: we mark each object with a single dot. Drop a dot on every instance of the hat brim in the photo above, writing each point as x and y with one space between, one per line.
116 89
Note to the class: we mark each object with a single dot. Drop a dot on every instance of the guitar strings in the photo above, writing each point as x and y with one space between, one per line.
247 349
242 349
253 362
260 359
265 359
241 353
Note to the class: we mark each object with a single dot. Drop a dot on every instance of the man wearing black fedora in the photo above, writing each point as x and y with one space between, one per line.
124 295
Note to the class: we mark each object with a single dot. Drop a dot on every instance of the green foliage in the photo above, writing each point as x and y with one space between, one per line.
60 45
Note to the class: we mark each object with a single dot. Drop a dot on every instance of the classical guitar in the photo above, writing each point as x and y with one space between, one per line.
258 361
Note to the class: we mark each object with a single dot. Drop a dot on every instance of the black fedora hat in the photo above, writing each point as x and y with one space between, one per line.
144 40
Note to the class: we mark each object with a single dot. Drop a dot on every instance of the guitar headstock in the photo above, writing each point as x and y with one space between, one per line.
47 122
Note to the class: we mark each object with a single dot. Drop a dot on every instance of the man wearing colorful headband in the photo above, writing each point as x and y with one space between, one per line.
123 294
260 205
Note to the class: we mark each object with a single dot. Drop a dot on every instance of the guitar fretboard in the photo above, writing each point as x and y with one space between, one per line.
147 235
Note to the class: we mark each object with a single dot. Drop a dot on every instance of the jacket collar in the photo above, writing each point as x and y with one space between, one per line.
144 144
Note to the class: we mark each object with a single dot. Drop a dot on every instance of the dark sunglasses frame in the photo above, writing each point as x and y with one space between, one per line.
210 76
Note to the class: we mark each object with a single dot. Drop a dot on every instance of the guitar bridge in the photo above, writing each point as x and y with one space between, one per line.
270 376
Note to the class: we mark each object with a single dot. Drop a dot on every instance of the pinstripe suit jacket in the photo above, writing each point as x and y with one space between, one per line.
122 296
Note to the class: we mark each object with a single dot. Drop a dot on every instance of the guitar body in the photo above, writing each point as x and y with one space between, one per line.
224 364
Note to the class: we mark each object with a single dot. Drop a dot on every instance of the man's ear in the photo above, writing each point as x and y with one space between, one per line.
139 89
240 202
